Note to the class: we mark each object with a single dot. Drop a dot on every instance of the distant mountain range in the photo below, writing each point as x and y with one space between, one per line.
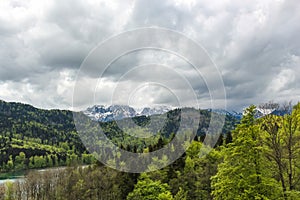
117 112
237 115
259 112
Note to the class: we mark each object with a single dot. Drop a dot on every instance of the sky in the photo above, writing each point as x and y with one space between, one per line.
254 46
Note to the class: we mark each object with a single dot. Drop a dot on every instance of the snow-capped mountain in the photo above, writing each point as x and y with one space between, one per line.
116 112
235 114
155 110
259 112
280 112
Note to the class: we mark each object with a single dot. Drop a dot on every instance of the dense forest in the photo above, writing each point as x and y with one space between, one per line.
35 138
257 158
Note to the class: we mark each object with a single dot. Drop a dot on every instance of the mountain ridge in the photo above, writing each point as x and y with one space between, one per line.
105 113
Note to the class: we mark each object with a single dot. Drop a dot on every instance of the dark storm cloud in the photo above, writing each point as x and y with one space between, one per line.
254 44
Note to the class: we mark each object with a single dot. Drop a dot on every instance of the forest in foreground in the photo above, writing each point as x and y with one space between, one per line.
258 159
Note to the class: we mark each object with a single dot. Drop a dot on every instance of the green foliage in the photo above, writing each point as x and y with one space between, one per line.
9 194
181 195
35 138
147 189
281 139
243 174
200 164
293 195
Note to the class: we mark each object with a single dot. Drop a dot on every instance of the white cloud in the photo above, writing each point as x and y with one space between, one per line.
281 80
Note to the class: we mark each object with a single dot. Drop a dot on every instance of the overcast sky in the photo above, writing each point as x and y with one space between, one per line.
254 44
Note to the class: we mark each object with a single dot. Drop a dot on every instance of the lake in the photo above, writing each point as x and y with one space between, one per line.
12 180
20 177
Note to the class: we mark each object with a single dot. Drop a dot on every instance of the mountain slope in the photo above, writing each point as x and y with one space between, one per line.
35 138
46 136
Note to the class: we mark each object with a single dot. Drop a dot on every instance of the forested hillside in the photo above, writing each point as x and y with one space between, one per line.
36 138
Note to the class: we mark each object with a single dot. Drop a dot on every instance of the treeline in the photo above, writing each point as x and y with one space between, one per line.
20 162
91 182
